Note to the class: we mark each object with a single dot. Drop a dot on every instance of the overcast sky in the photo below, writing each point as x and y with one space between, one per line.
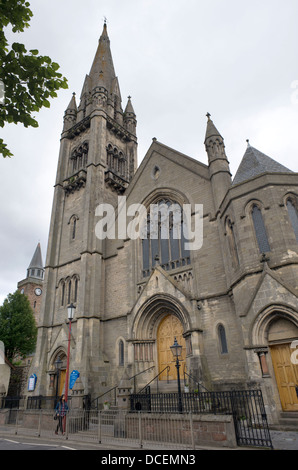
178 59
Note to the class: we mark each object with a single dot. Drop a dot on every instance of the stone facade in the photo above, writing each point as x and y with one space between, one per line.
235 296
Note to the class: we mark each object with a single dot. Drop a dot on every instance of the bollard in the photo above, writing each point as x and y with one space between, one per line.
66 425
191 430
99 426
39 423
140 430
17 422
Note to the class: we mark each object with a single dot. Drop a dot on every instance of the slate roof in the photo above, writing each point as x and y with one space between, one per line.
255 163
36 261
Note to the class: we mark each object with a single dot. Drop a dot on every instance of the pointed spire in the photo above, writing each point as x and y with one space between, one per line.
211 130
129 108
70 115
35 268
72 104
130 117
103 68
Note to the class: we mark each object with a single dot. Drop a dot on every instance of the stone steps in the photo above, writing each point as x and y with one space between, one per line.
288 421
166 387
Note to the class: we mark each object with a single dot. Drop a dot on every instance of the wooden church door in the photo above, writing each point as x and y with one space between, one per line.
169 328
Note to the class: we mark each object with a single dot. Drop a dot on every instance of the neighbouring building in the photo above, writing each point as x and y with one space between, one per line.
231 303
32 285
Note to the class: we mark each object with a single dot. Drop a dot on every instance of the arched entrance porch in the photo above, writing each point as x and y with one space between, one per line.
277 328
58 373
156 324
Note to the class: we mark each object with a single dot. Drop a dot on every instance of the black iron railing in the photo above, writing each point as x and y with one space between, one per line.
246 407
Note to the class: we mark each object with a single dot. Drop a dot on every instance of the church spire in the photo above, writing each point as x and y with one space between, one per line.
102 71
101 89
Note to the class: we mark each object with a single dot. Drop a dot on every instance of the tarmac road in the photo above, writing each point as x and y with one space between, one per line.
282 440
25 444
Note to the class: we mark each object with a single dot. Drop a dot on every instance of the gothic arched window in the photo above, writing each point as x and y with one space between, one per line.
260 229
62 293
76 289
222 339
116 161
79 157
73 226
69 292
121 353
232 243
293 216
165 241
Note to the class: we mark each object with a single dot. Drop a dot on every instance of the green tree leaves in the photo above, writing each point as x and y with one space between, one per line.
30 79
18 330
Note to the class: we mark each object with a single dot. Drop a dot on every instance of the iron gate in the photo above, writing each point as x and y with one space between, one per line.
250 418
246 407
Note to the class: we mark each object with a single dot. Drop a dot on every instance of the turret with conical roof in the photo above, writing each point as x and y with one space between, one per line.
36 268
70 115
130 120
219 168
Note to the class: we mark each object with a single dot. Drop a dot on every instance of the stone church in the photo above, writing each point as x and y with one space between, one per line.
231 303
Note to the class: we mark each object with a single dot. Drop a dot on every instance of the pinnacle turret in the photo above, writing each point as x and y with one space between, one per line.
219 169
70 115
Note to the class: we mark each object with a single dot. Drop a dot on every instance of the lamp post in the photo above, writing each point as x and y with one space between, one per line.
177 351
58 364
70 310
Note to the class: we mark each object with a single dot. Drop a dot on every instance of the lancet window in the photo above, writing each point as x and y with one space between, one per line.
260 229
116 161
293 215
79 157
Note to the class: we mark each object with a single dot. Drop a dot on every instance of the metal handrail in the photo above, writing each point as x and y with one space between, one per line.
199 384
139 373
114 388
166 368
103 394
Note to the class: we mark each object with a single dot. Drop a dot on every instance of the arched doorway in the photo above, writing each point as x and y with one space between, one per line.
60 373
169 328
282 334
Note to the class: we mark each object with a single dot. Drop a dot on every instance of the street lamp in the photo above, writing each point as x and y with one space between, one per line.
70 312
177 351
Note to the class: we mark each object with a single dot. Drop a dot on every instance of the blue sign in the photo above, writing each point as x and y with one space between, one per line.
73 377
32 382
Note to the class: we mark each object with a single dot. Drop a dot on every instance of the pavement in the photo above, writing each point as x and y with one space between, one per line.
284 440
281 440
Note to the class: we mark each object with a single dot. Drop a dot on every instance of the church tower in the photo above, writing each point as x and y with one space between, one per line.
97 160
32 285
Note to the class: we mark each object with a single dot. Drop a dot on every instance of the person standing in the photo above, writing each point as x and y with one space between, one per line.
61 410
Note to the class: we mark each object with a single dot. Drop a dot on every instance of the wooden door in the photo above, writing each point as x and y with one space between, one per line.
61 382
169 329
286 374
